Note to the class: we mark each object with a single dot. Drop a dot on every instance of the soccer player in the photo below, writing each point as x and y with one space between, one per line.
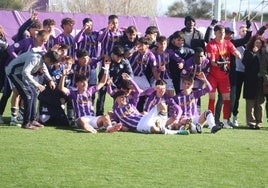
219 51
15 50
82 103
128 41
163 57
108 37
27 84
87 39
65 37
132 120
48 25
176 44
187 100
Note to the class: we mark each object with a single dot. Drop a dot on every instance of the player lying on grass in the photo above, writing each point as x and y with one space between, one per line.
132 120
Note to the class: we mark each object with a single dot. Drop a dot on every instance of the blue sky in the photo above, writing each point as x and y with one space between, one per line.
231 5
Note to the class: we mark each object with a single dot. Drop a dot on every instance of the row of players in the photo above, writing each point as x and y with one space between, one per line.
162 66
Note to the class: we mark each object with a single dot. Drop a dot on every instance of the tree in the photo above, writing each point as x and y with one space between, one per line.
118 7
195 8
11 4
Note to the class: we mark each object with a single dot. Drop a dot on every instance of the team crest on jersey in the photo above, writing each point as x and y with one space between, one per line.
16 45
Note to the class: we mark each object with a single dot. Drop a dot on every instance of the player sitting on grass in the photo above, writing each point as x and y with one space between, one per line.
82 103
187 99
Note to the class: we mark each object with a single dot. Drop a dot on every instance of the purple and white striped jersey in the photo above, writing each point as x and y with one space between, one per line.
69 41
188 103
82 102
108 40
51 42
140 62
84 70
164 59
128 115
153 100
190 68
88 42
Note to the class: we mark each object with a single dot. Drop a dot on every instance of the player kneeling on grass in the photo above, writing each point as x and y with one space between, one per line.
132 120
187 99
82 103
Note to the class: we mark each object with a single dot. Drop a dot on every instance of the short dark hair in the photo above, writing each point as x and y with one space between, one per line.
49 22
188 78
125 84
53 56
198 50
85 20
144 40
118 50
81 53
160 82
113 16
161 38
131 29
188 18
178 34
219 27
152 30
66 21
80 78
118 94
36 24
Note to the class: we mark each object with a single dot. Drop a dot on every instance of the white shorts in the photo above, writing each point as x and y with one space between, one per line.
142 82
149 120
91 120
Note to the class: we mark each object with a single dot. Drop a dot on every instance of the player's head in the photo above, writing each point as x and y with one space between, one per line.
34 28
187 82
81 82
117 52
120 98
68 62
143 44
152 32
199 55
126 86
41 38
161 42
67 24
82 57
177 38
219 31
51 57
113 21
160 87
49 24
131 33
89 23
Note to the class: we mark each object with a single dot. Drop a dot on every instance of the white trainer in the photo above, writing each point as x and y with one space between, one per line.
15 123
226 125
235 121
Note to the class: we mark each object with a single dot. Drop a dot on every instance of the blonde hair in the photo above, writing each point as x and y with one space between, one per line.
2 33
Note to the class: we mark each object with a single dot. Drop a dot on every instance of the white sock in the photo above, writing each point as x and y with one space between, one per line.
210 120
167 131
